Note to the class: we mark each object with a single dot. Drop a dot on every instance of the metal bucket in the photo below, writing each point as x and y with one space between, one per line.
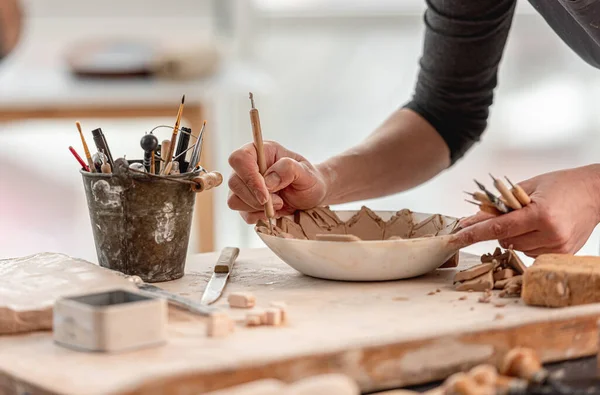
141 225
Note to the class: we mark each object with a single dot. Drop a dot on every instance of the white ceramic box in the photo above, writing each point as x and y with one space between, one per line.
111 321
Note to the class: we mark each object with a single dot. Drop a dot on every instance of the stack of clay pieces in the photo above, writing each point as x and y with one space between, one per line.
275 315
500 270
558 280
316 223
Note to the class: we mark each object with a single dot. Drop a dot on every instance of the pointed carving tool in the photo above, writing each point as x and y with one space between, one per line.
510 199
260 152
519 193
223 268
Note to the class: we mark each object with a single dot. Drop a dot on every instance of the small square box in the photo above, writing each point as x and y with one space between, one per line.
110 321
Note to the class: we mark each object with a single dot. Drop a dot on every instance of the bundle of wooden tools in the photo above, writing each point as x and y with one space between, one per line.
510 199
162 161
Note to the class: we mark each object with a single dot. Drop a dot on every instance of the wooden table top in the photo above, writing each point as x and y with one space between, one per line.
384 335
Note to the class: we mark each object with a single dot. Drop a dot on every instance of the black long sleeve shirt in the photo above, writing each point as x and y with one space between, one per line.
463 45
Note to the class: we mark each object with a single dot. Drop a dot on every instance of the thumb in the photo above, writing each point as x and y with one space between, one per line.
287 171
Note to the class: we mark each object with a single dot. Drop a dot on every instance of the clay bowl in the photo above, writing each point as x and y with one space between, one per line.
378 260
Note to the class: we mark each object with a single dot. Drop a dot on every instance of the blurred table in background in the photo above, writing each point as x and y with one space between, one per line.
30 93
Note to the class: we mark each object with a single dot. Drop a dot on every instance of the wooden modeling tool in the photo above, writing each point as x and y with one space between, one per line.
81 162
519 193
153 163
480 197
509 198
485 208
500 206
105 168
168 165
86 151
260 152
164 152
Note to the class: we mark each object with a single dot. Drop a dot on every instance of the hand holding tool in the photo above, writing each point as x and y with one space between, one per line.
519 193
509 198
260 152
221 273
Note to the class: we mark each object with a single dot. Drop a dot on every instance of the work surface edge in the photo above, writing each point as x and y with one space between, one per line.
389 356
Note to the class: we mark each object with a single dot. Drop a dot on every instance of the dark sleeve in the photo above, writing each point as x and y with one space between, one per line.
463 45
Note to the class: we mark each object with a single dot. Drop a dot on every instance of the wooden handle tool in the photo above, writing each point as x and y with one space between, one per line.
260 152
519 193
168 166
486 208
86 151
207 181
164 152
226 260
509 198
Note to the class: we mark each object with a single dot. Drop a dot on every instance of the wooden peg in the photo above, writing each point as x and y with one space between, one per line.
207 181
523 363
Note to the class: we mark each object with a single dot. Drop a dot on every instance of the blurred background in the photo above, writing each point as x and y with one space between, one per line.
325 74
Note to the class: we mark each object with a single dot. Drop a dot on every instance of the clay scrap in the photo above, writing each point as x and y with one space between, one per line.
499 270
321 222
558 280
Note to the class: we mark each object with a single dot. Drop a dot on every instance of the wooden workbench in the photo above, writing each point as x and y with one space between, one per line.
384 335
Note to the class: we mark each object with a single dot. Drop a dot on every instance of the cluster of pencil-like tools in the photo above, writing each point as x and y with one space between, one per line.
513 198
174 156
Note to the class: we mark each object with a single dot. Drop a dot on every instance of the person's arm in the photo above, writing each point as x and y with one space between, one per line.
10 26
463 47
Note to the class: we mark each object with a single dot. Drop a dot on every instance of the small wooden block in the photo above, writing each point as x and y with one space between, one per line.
557 280
283 307
242 300
253 319
478 284
219 325
503 274
473 272
273 316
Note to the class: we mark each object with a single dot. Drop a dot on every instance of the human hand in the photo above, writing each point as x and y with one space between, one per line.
564 211
292 181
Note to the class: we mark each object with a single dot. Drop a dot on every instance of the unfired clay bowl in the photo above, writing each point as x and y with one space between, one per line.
378 260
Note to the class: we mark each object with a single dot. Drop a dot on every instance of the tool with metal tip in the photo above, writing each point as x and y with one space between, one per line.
105 168
260 153
480 197
149 142
102 145
485 208
223 268
509 198
519 193
503 208
86 151
169 153
197 151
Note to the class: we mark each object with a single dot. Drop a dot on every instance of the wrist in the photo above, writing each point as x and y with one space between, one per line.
595 184
328 176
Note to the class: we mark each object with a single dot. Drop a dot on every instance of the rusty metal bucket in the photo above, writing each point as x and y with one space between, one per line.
141 224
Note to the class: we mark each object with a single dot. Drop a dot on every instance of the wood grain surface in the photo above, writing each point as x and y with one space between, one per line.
384 335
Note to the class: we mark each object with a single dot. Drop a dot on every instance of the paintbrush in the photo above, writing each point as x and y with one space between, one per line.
86 151
168 164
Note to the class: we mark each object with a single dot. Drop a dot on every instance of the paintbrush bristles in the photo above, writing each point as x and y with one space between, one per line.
174 137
